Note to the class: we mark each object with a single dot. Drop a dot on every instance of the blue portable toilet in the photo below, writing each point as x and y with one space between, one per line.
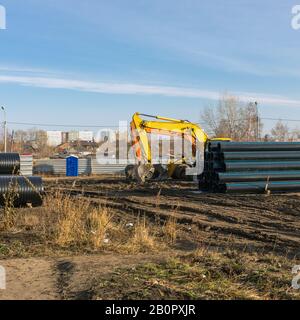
72 165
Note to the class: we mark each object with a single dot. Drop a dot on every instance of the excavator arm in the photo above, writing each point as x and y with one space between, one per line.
141 129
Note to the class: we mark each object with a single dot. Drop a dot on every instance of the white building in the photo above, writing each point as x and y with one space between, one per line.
54 138
73 136
81 136
86 135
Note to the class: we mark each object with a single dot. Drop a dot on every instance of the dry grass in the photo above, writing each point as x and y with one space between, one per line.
75 222
30 220
158 201
8 216
142 239
170 230
98 226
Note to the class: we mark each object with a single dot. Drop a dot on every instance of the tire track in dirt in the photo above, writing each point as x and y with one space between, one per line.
268 237
64 270
256 219
266 219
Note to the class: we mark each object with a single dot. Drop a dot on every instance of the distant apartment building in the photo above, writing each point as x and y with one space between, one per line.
86 135
81 136
65 137
54 138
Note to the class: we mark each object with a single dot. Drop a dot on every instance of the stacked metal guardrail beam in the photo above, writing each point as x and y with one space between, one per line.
251 167
16 189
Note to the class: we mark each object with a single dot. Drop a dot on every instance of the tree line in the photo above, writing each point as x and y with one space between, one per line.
240 121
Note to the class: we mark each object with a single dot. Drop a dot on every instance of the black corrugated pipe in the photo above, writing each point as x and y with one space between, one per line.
257 155
260 187
22 190
224 177
256 165
254 146
214 146
252 167
9 163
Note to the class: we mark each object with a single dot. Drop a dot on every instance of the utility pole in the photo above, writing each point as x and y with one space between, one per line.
5 129
257 122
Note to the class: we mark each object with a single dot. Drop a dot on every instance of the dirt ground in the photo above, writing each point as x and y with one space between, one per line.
254 222
255 225
61 278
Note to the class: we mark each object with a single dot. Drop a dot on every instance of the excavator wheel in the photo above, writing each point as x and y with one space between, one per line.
180 172
160 173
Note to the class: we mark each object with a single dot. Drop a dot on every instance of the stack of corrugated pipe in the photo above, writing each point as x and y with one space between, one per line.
251 167
21 190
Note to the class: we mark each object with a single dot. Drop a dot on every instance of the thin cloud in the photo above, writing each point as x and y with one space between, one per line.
140 89
17 70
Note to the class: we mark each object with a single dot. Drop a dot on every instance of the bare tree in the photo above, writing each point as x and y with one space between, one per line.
280 132
295 134
34 140
233 119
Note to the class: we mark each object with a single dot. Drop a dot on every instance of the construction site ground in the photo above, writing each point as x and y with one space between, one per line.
255 222
256 236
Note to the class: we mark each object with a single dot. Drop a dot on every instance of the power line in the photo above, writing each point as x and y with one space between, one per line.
281 119
63 125
116 126
247 119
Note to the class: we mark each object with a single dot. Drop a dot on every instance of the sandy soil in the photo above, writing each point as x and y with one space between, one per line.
63 278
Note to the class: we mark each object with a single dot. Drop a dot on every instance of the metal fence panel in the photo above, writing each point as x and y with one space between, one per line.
26 165
86 167
107 168
51 166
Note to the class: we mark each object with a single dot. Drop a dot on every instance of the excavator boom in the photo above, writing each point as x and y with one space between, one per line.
140 129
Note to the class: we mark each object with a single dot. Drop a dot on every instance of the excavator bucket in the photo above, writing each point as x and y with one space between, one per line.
144 172
140 172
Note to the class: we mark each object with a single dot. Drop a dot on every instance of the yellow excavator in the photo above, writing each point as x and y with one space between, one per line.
141 132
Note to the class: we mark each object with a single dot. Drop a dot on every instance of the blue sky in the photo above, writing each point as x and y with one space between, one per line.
96 62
